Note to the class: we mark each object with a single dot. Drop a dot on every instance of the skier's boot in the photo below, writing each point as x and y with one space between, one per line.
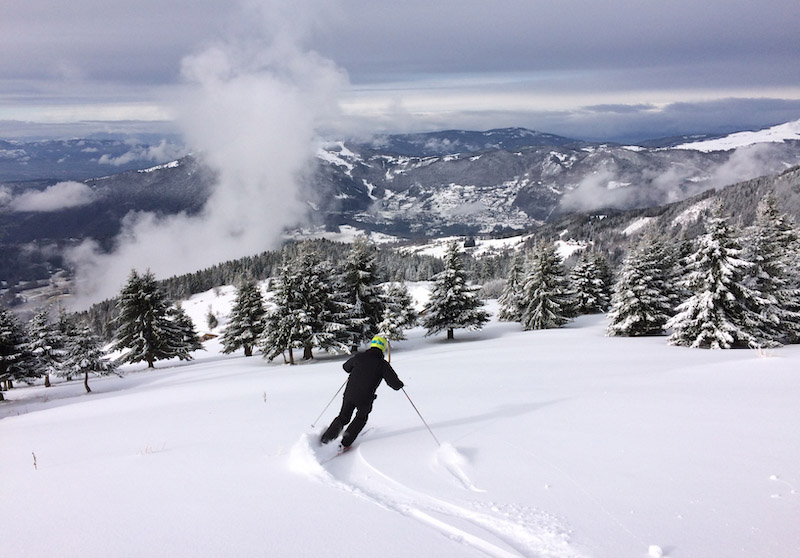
332 432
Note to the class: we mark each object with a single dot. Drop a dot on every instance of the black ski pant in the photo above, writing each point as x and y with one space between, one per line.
348 407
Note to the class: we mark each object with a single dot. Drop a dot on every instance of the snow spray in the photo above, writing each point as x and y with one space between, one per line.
454 462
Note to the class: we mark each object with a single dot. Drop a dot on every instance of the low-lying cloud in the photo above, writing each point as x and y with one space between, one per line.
250 108
607 188
62 195
160 153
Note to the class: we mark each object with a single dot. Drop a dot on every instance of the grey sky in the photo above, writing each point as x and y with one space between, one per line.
586 69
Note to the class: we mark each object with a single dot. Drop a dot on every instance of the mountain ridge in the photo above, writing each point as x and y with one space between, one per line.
506 189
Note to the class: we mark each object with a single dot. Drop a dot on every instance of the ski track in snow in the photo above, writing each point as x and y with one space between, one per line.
499 531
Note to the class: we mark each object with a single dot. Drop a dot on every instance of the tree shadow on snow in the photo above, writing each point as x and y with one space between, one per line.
502 412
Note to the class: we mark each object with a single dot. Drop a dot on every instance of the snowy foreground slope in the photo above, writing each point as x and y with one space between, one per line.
559 443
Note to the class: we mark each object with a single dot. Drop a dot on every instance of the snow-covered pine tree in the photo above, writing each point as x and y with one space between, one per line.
15 358
283 322
322 317
790 298
47 345
771 243
85 355
66 325
511 301
186 338
359 291
605 275
587 283
306 315
453 303
545 291
144 330
718 314
247 319
211 319
643 297
399 313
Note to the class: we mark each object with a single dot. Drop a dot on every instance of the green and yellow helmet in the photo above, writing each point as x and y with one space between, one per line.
381 342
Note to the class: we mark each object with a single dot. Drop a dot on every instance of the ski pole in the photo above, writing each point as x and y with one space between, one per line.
314 424
420 416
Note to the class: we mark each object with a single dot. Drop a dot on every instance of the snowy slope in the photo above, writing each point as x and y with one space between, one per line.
559 443
775 134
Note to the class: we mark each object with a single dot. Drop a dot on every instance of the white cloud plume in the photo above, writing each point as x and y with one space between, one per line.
250 109
606 188
160 153
59 196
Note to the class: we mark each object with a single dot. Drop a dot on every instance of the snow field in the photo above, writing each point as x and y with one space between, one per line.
556 443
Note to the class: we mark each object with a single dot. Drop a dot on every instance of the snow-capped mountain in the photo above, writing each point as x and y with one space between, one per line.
788 132
496 189
417 185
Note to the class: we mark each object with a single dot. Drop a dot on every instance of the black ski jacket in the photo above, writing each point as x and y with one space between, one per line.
366 371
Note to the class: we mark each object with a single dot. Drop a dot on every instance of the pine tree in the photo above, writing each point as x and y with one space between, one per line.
143 325
306 315
643 298
789 299
322 317
211 319
453 303
15 357
511 301
247 319
85 355
772 242
586 280
358 290
187 339
605 275
718 314
546 297
46 344
399 313
283 322
66 327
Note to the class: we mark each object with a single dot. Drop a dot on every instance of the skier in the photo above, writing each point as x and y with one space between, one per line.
366 371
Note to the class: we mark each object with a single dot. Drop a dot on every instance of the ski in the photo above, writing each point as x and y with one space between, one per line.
340 452
344 450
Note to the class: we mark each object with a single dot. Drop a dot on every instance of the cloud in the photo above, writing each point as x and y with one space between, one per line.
15 154
5 195
596 191
249 108
62 195
606 188
654 55
160 153
748 162
621 109
572 112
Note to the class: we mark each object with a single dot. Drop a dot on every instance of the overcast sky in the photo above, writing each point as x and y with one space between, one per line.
593 70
